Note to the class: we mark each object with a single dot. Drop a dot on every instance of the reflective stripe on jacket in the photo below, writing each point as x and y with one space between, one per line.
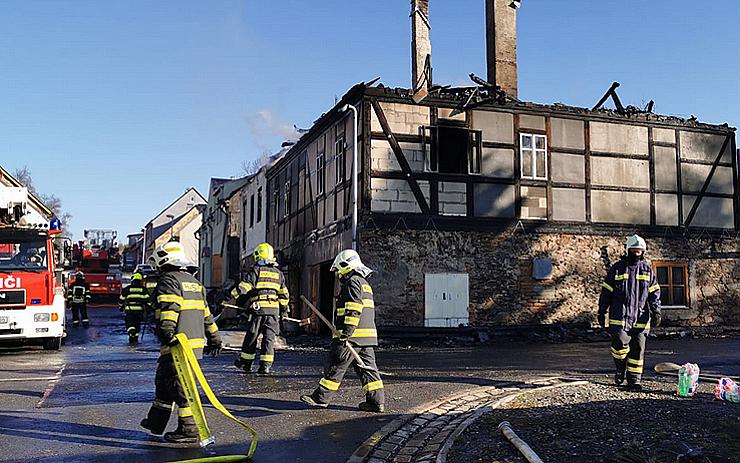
630 294
355 315
79 293
181 308
265 290
134 298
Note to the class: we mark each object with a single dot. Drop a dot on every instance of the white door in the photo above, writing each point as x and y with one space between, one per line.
445 299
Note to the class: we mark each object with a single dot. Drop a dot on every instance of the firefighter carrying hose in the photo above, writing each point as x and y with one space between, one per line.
630 296
263 294
355 323
180 308
78 295
134 302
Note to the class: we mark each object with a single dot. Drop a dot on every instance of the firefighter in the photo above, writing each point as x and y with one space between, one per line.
630 296
134 302
78 295
263 294
355 323
180 308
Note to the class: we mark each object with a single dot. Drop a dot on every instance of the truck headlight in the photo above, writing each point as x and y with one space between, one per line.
41 317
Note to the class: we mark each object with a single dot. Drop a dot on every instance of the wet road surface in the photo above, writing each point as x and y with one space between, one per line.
84 403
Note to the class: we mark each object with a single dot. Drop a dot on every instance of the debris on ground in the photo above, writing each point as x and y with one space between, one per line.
600 423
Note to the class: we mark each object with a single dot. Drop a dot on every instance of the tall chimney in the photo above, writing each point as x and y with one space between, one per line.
421 49
501 44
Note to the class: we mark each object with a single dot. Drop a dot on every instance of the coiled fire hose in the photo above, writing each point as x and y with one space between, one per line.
188 370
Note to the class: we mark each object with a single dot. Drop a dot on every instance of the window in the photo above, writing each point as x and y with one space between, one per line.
251 211
533 153
259 204
339 160
276 203
320 173
452 150
286 199
672 278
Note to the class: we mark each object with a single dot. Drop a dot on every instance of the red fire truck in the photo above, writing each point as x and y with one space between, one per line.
98 258
31 294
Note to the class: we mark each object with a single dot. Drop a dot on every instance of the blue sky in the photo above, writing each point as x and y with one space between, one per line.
117 107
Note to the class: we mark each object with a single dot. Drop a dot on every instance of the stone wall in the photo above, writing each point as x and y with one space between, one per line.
503 292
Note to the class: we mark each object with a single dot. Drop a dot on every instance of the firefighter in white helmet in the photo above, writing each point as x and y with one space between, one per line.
180 307
262 293
355 323
630 297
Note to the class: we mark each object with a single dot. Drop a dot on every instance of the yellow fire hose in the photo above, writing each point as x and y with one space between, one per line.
188 370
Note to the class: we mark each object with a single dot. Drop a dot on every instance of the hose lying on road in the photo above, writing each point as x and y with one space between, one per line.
516 441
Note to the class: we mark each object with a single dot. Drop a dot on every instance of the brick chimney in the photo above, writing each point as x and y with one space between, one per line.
501 44
421 49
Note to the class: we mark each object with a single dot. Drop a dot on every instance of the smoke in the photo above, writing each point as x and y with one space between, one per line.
264 126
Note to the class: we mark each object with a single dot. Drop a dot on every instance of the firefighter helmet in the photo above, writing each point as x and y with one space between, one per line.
635 242
79 275
264 253
171 253
137 276
348 261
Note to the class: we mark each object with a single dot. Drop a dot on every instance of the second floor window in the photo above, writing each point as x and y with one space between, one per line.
320 173
259 204
533 156
339 159
286 199
251 211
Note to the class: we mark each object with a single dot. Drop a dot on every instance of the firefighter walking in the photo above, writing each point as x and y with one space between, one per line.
355 323
180 308
263 294
134 302
630 297
78 295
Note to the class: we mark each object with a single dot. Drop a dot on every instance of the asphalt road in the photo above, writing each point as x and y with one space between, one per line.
84 403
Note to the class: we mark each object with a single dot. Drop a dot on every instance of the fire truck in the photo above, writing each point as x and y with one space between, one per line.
98 258
31 293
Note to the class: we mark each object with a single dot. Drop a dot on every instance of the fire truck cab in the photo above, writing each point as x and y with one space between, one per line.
31 296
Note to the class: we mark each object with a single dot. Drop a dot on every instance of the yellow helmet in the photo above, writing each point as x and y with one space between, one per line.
137 276
264 253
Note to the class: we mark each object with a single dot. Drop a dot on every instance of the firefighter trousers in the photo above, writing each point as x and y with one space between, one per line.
133 322
269 327
168 392
79 312
628 352
339 361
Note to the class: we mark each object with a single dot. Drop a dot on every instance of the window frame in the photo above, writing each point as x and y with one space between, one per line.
286 199
259 204
533 153
670 286
251 210
339 160
320 173
430 142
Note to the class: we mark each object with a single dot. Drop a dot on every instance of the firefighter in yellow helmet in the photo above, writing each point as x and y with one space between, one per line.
355 323
180 302
134 302
263 294
630 297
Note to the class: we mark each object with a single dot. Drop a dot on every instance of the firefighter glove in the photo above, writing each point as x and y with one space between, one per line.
602 320
170 339
656 319
213 349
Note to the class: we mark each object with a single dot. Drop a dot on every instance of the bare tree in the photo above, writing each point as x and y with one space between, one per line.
253 166
52 201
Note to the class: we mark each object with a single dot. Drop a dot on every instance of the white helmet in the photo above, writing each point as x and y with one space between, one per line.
171 253
348 261
635 242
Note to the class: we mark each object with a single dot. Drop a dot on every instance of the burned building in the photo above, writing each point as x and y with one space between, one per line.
476 208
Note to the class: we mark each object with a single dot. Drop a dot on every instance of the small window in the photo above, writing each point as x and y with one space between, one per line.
286 199
259 204
251 211
339 160
673 280
320 173
276 204
452 150
533 155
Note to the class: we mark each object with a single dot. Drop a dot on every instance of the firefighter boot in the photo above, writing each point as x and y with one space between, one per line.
619 378
133 336
243 365
186 432
311 400
156 420
85 323
265 369
372 407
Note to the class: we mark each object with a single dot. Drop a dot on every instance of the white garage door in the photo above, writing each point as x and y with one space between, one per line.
445 299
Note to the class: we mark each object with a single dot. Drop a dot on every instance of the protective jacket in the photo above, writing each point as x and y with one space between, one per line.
264 289
181 308
79 292
630 294
134 298
356 311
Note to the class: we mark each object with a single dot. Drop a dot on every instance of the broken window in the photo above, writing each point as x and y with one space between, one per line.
339 160
533 156
259 204
672 278
320 173
452 150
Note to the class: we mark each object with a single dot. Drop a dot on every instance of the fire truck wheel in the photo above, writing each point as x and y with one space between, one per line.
52 344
